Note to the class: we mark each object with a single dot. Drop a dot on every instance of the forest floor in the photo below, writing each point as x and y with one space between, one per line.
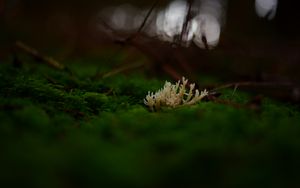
62 129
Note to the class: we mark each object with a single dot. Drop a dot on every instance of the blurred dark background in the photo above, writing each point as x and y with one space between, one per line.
250 47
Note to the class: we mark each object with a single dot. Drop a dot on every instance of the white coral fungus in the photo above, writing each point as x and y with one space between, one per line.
174 95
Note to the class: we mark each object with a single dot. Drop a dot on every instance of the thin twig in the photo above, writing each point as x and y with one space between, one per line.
234 90
184 31
122 69
33 52
225 102
144 21
266 84
171 71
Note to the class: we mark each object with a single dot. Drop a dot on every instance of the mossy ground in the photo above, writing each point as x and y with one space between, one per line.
63 130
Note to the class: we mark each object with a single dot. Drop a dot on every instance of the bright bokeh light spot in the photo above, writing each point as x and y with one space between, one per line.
169 22
192 29
266 8
120 18
208 27
212 7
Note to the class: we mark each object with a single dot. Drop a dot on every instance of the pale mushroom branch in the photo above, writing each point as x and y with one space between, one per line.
174 95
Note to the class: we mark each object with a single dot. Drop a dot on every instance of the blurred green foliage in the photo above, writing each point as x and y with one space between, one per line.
64 130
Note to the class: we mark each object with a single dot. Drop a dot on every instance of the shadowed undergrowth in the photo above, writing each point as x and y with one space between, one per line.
63 130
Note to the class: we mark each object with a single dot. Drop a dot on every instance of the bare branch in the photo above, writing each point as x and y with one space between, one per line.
188 17
33 52
144 21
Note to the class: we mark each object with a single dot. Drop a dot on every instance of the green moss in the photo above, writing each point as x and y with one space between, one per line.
59 129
